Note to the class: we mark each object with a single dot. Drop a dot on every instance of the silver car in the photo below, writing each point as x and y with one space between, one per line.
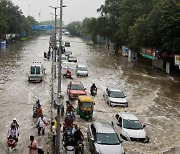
115 97
103 139
81 70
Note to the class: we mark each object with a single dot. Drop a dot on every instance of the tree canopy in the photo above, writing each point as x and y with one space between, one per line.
12 19
137 23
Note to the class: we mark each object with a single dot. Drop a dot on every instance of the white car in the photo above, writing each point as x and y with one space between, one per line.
115 97
131 128
103 139
81 70
36 72
64 58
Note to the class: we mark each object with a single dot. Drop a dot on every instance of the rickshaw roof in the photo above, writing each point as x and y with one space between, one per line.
85 98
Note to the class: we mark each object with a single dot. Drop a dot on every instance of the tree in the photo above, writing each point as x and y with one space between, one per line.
74 28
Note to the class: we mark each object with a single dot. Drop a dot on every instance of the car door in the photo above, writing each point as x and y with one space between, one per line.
68 88
120 124
92 134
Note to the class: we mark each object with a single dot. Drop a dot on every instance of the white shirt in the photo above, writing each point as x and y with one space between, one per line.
42 122
13 133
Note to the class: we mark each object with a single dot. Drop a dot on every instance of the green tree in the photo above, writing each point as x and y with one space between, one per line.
74 28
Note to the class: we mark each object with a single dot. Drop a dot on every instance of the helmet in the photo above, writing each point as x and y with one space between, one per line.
14 119
37 101
78 128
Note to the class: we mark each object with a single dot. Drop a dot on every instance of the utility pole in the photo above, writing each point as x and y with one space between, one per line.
55 45
59 104
55 29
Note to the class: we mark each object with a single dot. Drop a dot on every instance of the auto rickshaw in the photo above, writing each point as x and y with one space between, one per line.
85 107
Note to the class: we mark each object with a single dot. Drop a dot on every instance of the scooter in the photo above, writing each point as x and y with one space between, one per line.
67 76
94 92
79 149
11 143
45 55
34 111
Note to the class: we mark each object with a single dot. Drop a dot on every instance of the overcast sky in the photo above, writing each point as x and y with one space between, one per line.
76 10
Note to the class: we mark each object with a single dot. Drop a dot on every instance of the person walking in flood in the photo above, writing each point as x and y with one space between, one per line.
33 146
42 123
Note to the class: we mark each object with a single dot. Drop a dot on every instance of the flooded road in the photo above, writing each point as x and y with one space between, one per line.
152 95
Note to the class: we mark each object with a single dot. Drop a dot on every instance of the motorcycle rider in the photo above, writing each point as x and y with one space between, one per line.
78 136
39 111
68 74
70 109
68 120
15 123
93 87
35 108
13 133
45 55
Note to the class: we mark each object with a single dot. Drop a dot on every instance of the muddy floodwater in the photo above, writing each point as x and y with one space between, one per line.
152 95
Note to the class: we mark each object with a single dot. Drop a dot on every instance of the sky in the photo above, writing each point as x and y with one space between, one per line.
75 10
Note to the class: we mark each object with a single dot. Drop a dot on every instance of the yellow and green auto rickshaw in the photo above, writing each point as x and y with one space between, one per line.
85 107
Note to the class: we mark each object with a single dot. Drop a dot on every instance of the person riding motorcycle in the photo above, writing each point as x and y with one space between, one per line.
35 108
70 109
93 87
68 74
14 122
68 120
78 136
13 133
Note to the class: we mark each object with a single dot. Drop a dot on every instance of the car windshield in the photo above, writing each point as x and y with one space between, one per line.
132 124
33 70
107 138
86 105
77 87
72 57
82 68
64 58
116 94
37 70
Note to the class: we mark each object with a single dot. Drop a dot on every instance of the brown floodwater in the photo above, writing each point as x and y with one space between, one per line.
152 95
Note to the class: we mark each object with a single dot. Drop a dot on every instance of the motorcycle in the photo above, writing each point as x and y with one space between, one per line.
45 55
34 111
68 136
70 149
94 92
79 149
67 76
11 143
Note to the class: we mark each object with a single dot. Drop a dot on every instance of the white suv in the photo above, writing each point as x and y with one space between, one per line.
103 139
131 127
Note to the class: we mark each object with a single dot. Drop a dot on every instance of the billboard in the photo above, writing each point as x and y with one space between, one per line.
42 27
177 60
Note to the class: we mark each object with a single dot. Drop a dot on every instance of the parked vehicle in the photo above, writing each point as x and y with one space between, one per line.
103 139
131 128
67 44
36 72
115 97
85 107
74 89
81 70
64 58
67 53
72 58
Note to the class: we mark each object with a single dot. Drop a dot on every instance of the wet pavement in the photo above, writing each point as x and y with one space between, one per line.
152 95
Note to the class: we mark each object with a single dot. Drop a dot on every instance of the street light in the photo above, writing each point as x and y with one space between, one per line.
59 104
54 57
